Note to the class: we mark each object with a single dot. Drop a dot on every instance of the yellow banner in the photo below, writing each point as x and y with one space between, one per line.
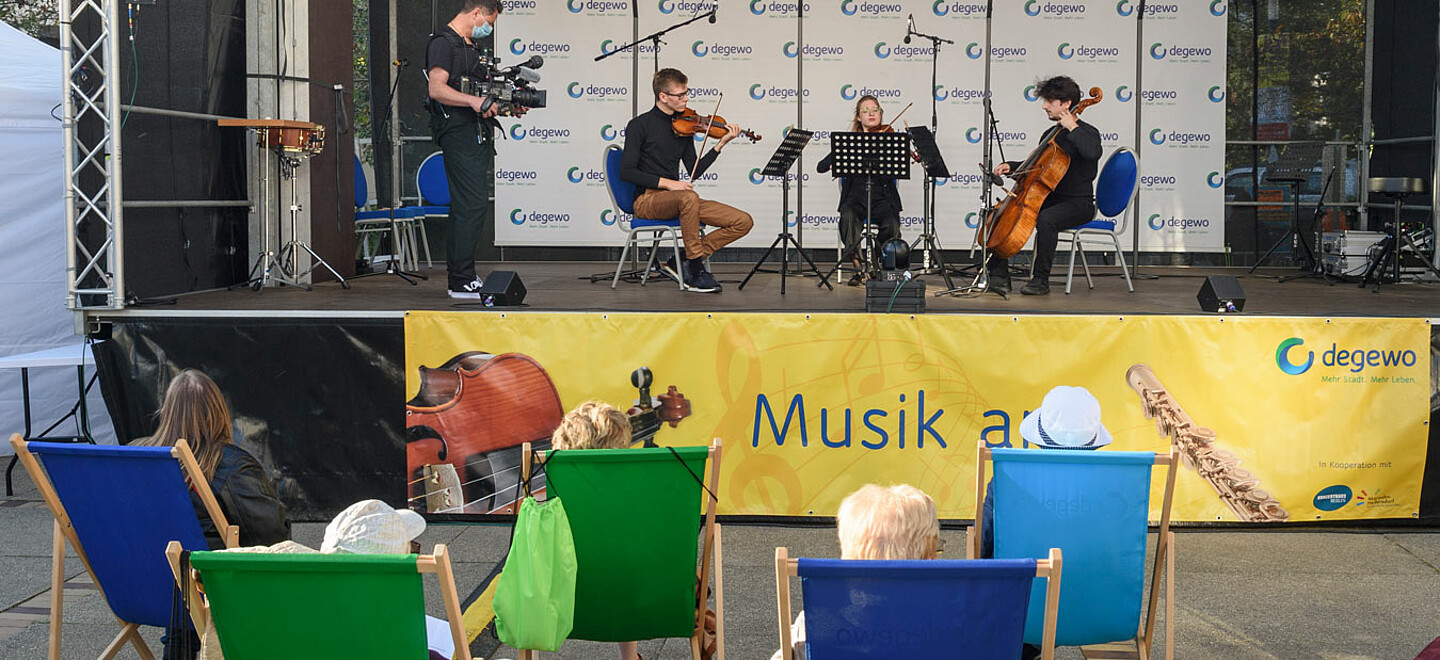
1297 419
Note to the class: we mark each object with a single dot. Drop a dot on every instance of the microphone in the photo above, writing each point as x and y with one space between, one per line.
909 27
534 62
993 178
527 74
714 10
402 62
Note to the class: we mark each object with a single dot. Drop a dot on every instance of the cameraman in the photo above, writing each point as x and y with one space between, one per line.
465 134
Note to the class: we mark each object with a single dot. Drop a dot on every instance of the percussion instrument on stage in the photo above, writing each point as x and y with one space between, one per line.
287 135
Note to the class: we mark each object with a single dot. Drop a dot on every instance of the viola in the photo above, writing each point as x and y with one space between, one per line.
690 123
1013 220
473 413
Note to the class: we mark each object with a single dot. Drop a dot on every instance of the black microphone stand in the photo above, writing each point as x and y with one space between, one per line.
928 240
655 38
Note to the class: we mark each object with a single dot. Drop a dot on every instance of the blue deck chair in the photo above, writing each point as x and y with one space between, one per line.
622 197
967 608
1094 506
118 507
1114 190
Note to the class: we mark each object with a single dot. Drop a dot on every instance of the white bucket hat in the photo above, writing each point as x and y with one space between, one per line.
1068 418
371 527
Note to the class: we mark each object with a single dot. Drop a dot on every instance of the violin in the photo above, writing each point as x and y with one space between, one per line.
690 123
1013 220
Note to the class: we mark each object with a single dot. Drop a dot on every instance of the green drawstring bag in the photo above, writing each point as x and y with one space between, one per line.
535 597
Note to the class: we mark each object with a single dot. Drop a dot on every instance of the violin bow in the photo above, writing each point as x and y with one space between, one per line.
891 123
706 139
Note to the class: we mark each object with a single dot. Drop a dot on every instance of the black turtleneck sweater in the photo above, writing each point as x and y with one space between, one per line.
1083 147
653 151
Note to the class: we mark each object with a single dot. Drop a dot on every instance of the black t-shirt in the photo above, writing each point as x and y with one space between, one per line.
1083 147
653 151
442 53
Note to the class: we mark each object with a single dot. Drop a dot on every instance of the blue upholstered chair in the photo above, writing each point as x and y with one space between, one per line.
861 609
118 507
1114 190
1094 506
371 223
622 199
434 190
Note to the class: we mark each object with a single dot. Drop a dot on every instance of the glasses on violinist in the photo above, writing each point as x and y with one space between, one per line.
679 95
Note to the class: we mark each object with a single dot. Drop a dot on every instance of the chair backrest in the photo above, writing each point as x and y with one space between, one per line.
634 515
1094 506
124 504
915 609
622 193
315 606
362 189
431 182
1115 187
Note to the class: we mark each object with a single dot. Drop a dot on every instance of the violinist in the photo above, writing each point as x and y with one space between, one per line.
884 198
1072 202
652 158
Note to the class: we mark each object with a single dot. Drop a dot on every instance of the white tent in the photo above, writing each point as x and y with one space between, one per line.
32 238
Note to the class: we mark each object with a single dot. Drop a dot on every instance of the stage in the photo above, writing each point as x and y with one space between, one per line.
565 286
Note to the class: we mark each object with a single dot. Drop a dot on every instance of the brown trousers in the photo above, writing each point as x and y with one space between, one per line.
693 211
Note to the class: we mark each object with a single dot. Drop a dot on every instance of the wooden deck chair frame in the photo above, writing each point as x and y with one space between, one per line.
1143 643
438 563
786 568
711 547
65 531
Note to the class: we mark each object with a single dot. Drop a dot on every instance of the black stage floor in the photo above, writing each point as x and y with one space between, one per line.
558 286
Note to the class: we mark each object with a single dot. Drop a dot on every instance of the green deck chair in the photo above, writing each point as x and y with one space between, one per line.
356 607
634 515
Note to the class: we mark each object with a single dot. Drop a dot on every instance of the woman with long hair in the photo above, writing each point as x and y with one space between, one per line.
884 209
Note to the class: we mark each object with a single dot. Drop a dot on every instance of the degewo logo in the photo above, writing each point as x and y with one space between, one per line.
1216 94
814 51
1178 139
1156 222
609 217
1029 94
517 132
1157 136
548 49
702 50
1123 94
521 7
577 90
967 9
871 8
881 50
608 133
1214 180
850 92
598 7
1181 53
1282 358
781 8
1124 8
973 135
575 175
517 217
1084 52
1217 7
1332 498
689 7
539 134
974 51
755 176
1034 8
972 220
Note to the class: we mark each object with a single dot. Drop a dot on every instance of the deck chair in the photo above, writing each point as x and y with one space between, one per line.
633 514
118 507
1094 506
967 608
356 607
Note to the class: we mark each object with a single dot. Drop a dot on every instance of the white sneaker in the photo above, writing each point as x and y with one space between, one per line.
470 290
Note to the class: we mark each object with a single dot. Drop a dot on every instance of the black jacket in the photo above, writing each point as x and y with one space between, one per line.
852 189
248 500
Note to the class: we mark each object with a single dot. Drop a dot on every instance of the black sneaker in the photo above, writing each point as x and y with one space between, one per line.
669 270
1000 281
469 290
702 282
1036 287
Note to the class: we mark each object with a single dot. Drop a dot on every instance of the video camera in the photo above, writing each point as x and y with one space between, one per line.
508 87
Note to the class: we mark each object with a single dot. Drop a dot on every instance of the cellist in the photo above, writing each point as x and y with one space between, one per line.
1072 202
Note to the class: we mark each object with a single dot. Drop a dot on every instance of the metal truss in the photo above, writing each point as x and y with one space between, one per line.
89 52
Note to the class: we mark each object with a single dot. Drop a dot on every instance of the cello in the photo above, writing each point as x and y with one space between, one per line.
1013 220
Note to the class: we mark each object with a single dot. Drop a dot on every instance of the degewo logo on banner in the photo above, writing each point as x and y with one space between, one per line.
1158 182
777 8
1214 180
520 7
517 177
550 50
871 9
609 133
1216 94
851 92
593 93
1177 226
1053 10
901 53
721 51
1180 139
959 95
609 217
976 51
1181 53
964 180
543 219
597 7
609 46
1123 94
1348 366
686 7
589 177
1160 97
537 134
974 135
1029 94
756 178
814 51
1081 52
773 94
961 9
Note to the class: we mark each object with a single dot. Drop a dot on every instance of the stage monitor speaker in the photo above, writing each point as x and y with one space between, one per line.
1221 293
502 288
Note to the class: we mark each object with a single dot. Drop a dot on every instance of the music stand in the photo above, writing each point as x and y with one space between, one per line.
934 165
867 156
1293 168
779 166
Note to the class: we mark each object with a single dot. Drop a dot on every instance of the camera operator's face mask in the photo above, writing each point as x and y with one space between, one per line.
482 28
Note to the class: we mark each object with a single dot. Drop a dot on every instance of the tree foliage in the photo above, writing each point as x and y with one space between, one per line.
37 18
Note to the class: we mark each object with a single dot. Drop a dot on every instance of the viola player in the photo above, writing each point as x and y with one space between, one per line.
1072 202
884 210
652 158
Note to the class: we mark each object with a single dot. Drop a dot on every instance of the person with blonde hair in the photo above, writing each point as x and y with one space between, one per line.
879 522
194 409
592 425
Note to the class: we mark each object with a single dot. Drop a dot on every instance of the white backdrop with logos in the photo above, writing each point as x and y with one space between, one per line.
550 189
